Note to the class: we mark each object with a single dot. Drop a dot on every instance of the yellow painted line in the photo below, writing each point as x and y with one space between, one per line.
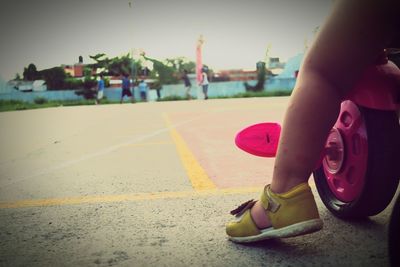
124 198
197 175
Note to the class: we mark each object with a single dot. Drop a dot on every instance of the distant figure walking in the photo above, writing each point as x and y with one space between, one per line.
126 88
100 89
204 83
188 85
143 87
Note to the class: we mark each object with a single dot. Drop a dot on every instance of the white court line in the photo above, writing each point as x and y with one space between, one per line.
99 153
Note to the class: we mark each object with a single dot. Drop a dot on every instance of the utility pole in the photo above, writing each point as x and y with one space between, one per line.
133 66
267 55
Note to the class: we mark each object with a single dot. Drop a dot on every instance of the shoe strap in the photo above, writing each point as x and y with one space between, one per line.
267 200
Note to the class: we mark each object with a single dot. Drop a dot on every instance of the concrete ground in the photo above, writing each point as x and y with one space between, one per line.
151 184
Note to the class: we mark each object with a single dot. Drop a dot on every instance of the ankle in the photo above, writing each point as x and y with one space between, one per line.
284 186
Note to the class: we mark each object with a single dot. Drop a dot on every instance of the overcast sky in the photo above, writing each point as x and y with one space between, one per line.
237 32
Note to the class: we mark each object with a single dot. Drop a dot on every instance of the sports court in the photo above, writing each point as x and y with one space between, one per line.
150 184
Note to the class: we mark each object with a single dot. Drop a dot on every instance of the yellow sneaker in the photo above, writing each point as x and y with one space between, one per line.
291 214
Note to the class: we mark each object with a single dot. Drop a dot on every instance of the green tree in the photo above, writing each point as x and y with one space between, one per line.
17 77
30 73
101 61
73 83
89 85
164 73
117 65
54 78
181 63
120 65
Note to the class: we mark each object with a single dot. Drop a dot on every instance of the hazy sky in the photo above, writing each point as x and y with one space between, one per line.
237 32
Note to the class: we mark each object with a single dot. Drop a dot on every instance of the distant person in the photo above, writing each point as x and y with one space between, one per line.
187 83
204 83
143 87
126 88
158 93
100 89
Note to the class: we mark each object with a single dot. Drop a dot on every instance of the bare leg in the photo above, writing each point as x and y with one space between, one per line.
329 70
309 117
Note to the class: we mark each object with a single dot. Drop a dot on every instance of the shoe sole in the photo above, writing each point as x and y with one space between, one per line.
293 230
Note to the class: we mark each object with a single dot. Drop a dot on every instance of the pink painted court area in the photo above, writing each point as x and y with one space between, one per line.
211 138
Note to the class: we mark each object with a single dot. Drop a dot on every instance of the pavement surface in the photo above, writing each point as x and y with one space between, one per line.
151 184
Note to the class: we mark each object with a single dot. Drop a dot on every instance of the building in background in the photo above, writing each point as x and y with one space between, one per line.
275 66
292 67
234 75
27 86
75 70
